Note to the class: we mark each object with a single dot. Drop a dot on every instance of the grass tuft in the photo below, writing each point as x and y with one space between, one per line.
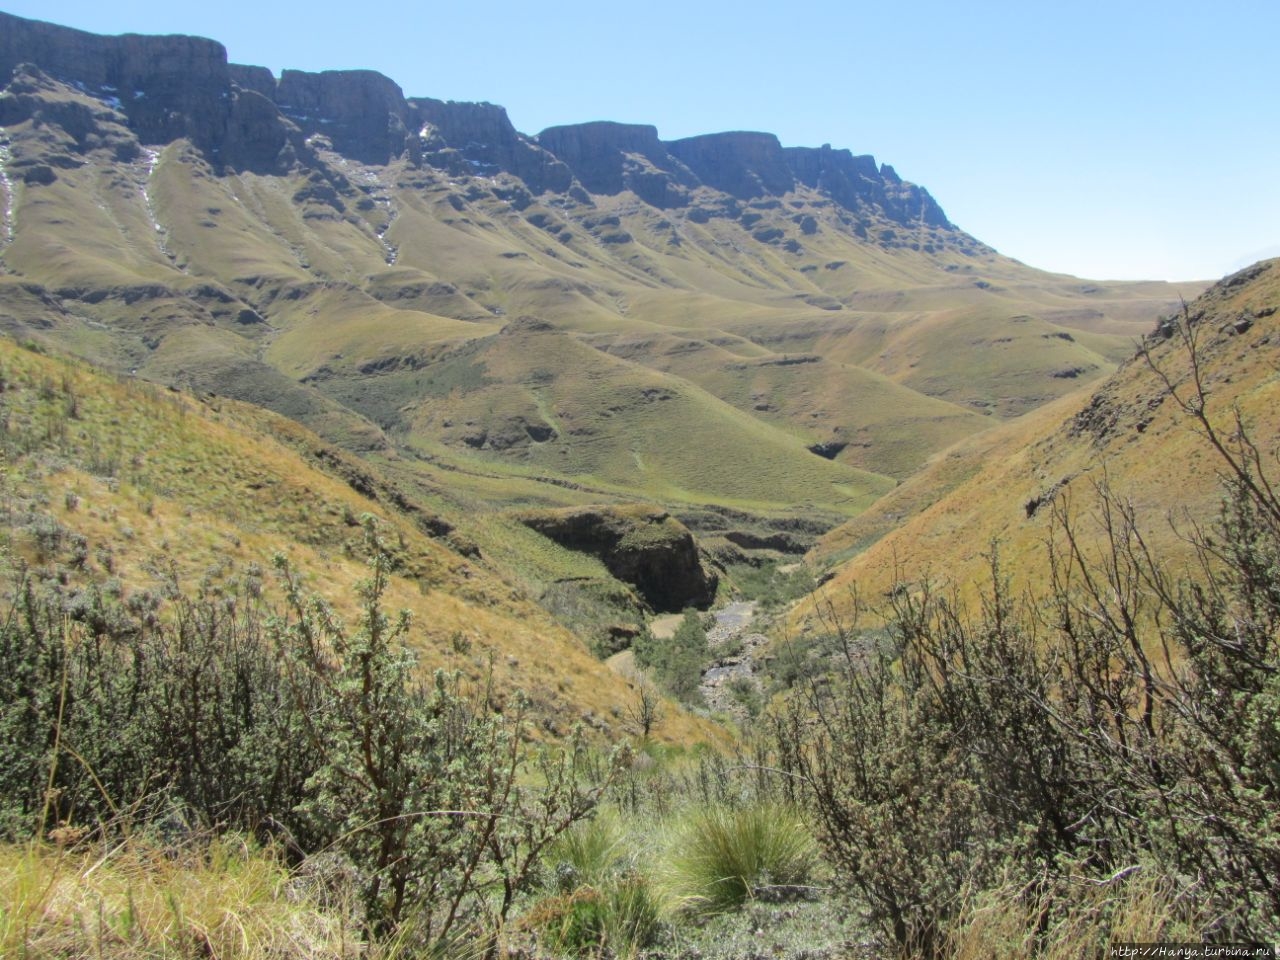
721 857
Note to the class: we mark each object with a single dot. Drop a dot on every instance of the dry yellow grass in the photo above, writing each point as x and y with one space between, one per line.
1086 915
162 486
133 899
999 486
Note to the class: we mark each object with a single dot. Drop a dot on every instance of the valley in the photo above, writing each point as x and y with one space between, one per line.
726 492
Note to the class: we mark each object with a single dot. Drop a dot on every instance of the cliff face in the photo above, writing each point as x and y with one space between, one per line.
469 138
744 165
362 113
851 181
169 87
244 118
646 548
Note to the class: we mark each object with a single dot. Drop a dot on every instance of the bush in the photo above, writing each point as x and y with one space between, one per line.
1125 723
166 715
106 709
677 661
429 791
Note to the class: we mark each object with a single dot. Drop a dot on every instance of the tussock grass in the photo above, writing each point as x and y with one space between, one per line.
718 857
591 851
617 918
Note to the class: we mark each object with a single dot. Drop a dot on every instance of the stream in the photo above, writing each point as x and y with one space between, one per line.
731 676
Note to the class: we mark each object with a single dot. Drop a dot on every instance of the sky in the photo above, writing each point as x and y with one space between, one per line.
1116 140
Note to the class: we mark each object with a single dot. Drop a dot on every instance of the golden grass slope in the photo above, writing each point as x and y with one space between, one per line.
118 479
999 487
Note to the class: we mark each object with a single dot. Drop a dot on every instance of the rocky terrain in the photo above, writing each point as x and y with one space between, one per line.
246 119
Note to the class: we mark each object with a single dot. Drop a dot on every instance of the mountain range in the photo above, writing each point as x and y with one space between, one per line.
763 345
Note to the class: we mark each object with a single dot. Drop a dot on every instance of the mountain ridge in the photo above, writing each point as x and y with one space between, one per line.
177 86
347 256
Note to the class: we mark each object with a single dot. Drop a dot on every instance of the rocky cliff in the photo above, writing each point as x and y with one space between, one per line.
169 87
469 138
645 547
244 118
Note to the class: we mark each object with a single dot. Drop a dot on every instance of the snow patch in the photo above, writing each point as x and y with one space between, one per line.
6 184
151 158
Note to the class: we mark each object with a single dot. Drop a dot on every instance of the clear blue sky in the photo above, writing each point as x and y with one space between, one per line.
1119 140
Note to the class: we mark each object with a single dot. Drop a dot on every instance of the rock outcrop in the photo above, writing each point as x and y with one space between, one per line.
645 547
608 158
743 165
64 126
169 87
469 138
362 113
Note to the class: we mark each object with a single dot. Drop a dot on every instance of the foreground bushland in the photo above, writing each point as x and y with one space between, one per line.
215 714
1052 772
202 772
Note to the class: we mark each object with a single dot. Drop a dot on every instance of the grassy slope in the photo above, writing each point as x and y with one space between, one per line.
344 295
622 425
941 523
158 483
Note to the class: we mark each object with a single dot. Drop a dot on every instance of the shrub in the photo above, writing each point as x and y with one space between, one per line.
1126 722
105 707
427 789
677 661
130 713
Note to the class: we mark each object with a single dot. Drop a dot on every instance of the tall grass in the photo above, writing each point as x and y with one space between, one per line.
224 898
719 857
590 852
1071 920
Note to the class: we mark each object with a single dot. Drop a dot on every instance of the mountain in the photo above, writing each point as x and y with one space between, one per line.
761 339
1010 486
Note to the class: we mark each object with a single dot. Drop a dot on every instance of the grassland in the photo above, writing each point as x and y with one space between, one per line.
1000 487
370 304
118 479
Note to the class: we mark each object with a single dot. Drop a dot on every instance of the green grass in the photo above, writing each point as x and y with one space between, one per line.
718 857
904 368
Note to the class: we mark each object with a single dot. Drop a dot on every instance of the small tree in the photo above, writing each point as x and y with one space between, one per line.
645 711
677 661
